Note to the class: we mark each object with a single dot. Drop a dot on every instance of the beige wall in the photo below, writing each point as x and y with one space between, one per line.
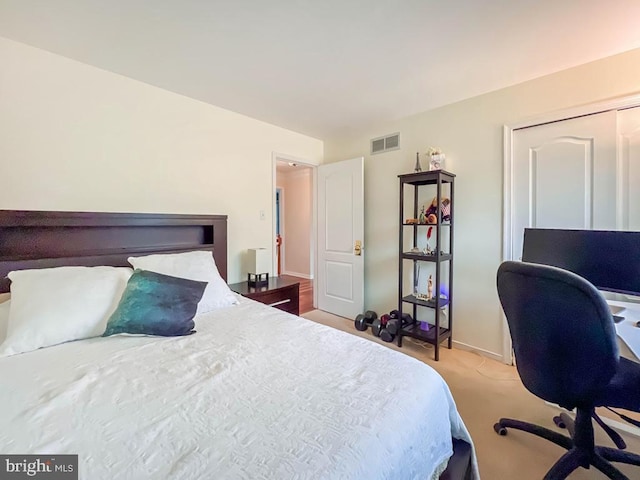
298 190
470 133
74 137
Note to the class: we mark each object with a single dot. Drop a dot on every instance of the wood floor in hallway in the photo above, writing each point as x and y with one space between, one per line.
306 293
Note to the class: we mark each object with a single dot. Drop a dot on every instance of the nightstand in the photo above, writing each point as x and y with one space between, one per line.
280 293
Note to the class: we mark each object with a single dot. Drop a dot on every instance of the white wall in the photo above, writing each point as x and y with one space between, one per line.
298 190
470 133
74 137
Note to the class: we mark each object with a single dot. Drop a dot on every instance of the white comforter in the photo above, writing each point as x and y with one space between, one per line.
255 394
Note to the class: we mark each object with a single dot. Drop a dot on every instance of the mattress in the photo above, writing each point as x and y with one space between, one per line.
256 393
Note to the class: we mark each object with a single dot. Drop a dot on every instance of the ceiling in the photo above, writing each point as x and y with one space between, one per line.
326 67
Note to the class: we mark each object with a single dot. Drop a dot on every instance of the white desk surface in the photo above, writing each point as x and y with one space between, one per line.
627 331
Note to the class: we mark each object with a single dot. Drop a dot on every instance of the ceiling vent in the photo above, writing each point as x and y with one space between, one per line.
385 144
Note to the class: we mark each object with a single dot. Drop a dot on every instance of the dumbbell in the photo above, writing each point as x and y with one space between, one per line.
407 319
374 321
370 315
379 324
395 324
363 321
405 316
386 335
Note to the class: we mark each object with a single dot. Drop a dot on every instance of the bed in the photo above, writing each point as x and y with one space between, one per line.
255 393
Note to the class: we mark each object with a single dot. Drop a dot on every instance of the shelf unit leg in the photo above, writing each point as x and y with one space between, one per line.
450 342
436 349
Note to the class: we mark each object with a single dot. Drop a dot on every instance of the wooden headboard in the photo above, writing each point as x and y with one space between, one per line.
41 239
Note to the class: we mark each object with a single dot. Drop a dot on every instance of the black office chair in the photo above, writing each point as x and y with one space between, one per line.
566 353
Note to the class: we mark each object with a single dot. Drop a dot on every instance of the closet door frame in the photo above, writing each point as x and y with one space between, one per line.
566 114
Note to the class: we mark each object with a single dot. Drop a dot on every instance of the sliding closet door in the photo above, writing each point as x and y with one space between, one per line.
629 168
564 176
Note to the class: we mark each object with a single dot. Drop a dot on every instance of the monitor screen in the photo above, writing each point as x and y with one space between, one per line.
610 260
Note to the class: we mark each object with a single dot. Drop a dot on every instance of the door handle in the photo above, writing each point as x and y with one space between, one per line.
357 250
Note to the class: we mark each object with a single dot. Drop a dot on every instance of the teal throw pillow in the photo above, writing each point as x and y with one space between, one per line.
156 304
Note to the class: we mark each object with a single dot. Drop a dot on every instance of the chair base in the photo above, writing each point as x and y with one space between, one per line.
576 456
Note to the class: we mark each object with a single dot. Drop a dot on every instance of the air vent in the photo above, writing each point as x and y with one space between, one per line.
377 146
385 144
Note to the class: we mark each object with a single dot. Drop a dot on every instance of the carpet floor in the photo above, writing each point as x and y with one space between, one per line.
484 391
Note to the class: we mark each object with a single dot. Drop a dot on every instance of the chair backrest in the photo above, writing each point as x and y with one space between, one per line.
562 331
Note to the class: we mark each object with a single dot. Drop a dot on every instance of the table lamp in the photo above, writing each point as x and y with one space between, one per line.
258 267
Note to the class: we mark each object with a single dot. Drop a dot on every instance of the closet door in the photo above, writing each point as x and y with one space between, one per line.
564 176
629 169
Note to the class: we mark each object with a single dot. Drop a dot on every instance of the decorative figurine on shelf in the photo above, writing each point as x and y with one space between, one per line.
430 288
417 168
428 250
437 158
445 210
422 219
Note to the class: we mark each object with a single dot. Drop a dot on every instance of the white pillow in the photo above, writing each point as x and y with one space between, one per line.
55 305
4 319
198 265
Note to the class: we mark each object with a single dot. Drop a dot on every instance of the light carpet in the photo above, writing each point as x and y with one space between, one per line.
484 391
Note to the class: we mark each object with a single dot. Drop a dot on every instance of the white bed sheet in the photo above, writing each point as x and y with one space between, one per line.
255 394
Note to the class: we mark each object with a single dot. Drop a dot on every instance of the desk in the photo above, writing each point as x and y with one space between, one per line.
628 333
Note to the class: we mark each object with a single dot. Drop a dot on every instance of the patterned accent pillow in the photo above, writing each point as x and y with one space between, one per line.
156 304
196 265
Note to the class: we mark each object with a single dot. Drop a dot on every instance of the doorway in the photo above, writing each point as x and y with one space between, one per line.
294 225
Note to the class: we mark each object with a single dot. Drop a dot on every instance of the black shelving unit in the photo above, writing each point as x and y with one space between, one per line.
427 312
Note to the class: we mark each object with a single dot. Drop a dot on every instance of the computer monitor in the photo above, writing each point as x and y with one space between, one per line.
610 260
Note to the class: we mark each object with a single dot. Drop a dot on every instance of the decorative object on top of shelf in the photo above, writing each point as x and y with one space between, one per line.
430 288
417 168
445 210
437 158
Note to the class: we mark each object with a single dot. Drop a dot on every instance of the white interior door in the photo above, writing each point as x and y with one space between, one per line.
340 272
564 176
629 169
579 173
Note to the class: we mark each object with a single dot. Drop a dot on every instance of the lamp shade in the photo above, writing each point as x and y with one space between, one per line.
258 261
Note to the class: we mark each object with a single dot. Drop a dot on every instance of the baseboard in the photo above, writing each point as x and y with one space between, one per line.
296 274
484 353
625 427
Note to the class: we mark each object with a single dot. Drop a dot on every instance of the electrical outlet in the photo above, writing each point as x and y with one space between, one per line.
262 216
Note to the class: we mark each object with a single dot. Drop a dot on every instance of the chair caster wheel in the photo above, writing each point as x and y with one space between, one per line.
559 422
499 429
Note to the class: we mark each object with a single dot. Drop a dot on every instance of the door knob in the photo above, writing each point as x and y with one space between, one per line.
358 248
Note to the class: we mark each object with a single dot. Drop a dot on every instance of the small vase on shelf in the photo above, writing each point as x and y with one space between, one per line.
436 161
